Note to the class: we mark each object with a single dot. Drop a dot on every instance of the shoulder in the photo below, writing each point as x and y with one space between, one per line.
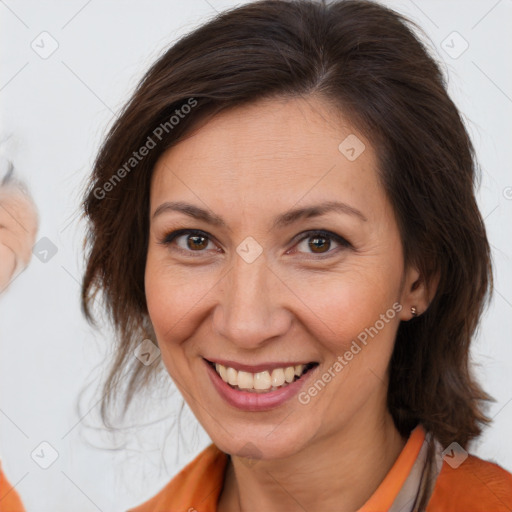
11 501
475 486
196 486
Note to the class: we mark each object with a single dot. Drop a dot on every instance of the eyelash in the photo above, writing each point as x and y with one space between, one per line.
170 237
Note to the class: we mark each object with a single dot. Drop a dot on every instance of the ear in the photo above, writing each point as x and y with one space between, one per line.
417 292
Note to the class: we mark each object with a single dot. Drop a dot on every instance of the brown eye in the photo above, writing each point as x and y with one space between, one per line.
196 242
187 240
320 242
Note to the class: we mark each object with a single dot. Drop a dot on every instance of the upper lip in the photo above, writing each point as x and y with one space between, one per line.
255 368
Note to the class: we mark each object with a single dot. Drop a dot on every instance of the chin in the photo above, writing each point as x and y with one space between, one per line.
264 441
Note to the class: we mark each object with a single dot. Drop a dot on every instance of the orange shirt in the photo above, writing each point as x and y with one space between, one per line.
9 498
474 486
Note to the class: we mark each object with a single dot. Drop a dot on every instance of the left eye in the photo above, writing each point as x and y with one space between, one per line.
320 241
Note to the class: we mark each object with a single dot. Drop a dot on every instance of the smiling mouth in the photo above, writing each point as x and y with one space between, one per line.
261 382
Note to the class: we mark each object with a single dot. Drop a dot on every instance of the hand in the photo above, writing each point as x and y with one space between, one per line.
19 223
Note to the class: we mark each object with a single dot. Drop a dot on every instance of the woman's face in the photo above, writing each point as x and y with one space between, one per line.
259 292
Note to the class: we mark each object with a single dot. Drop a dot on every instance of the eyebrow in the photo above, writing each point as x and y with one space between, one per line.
282 220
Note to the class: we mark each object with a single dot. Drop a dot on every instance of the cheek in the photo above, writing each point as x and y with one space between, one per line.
342 306
353 320
169 289
174 295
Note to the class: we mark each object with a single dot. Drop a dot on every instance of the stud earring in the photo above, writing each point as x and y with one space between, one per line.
414 312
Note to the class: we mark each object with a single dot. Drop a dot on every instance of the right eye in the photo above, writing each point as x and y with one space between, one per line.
194 240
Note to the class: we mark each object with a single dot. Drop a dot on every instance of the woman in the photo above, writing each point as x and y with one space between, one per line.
286 208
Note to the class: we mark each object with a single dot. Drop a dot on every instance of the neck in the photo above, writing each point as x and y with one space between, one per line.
336 472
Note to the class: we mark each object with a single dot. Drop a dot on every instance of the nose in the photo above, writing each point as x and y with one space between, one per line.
251 308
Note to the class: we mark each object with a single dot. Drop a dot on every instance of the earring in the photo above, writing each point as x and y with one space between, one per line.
414 312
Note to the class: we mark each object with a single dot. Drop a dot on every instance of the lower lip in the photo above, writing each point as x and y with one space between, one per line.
253 402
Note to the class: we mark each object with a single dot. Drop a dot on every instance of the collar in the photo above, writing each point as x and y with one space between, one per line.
199 484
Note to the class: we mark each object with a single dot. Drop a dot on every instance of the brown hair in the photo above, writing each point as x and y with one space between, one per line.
366 61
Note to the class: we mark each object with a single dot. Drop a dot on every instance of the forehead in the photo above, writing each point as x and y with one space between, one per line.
273 152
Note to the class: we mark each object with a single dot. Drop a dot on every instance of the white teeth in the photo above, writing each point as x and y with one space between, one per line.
245 380
289 374
221 370
277 377
232 376
261 381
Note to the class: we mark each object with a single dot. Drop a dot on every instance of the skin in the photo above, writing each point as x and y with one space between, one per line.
18 228
248 165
